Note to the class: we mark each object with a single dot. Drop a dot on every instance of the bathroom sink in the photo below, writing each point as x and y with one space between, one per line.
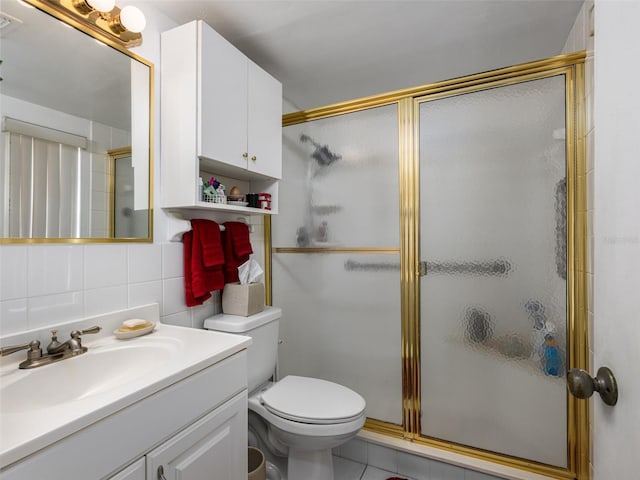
43 405
100 370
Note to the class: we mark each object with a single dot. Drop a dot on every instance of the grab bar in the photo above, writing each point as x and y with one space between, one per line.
493 267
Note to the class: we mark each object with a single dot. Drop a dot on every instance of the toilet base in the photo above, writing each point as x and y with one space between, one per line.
310 465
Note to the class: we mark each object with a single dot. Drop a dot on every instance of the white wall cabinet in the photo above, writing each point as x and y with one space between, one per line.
264 122
221 115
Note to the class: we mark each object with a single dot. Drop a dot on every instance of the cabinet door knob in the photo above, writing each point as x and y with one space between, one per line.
254 158
245 154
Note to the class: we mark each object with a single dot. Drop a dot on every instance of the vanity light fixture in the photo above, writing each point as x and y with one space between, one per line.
130 18
88 6
102 17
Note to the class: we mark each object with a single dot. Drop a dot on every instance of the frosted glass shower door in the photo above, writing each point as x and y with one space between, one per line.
336 256
494 298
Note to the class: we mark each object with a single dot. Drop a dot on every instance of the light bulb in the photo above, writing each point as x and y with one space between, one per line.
102 5
132 19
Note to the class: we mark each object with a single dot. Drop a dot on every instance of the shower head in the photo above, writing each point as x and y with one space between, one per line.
321 154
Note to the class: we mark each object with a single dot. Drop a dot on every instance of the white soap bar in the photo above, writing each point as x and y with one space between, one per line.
134 322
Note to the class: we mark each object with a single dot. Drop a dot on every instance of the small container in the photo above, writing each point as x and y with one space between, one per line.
256 464
243 300
215 198
252 200
264 201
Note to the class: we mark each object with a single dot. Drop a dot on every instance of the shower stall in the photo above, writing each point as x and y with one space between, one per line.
431 257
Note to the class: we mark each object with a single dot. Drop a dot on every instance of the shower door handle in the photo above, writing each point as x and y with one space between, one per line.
422 269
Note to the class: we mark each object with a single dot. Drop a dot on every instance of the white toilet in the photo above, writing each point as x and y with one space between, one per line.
306 417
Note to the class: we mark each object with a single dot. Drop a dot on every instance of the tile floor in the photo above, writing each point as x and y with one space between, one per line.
349 470
361 460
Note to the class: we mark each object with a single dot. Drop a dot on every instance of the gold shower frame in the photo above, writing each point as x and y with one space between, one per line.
572 67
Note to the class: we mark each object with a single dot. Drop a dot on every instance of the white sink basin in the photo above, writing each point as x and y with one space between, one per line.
101 369
42 405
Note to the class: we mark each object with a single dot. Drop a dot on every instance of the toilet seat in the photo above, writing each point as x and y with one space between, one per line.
313 401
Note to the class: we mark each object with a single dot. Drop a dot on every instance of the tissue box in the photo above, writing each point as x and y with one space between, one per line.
243 300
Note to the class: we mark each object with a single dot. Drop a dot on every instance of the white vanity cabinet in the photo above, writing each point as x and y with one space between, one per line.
214 447
221 115
136 471
195 428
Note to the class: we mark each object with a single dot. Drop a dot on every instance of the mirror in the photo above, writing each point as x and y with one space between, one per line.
68 102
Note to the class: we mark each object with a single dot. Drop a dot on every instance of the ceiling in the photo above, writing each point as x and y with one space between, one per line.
325 52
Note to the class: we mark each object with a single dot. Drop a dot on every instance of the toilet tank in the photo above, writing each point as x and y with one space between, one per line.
262 327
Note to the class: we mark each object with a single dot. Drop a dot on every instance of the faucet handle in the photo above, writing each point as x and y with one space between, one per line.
77 333
33 346
54 344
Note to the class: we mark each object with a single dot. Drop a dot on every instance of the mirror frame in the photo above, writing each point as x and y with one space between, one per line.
77 23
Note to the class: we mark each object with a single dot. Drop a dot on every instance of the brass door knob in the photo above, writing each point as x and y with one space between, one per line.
254 158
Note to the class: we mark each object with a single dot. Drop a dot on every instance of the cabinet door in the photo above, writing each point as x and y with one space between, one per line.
135 471
264 123
213 447
222 90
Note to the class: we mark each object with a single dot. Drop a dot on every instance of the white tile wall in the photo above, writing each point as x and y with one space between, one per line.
145 293
105 299
42 285
13 314
51 309
145 263
14 268
105 266
53 269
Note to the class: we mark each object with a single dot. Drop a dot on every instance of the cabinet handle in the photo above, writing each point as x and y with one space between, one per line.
245 154
161 473
254 158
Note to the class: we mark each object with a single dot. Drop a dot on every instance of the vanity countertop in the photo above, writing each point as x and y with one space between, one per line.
43 405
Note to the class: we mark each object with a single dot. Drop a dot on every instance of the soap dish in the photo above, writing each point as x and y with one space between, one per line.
133 333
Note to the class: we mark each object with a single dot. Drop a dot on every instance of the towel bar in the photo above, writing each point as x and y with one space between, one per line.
177 226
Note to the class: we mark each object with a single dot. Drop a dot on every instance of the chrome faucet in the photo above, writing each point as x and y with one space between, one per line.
74 344
55 350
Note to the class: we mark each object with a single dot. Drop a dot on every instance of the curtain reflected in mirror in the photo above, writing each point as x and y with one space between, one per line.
48 181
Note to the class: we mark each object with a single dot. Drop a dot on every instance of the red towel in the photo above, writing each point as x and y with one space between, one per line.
207 234
237 248
203 261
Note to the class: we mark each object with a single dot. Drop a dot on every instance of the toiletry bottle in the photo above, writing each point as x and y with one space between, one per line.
552 360
323 233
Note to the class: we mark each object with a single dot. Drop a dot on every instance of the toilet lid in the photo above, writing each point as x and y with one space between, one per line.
311 400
